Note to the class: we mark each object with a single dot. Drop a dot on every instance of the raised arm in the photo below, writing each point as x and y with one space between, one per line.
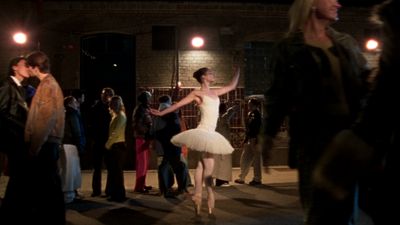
186 100
232 85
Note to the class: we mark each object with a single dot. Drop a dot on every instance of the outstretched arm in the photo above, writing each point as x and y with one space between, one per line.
231 112
186 100
232 85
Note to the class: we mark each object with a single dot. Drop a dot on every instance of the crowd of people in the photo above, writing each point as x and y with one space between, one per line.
46 138
343 131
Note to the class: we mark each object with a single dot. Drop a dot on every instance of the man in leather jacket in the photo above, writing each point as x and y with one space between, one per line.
13 115
13 107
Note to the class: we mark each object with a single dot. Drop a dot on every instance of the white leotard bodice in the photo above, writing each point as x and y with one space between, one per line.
209 113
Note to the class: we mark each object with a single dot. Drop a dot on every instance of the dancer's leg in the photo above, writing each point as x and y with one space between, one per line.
208 162
198 186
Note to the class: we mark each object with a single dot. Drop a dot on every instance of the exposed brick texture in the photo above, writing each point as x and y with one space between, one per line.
57 29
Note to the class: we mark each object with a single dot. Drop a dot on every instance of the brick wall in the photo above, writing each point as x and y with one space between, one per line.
57 27
228 25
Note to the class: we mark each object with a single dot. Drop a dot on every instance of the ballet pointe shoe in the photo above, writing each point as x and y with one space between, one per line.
211 215
211 204
196 199
210 194
210 211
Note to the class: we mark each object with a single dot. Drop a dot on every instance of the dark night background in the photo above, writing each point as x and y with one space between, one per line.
343 2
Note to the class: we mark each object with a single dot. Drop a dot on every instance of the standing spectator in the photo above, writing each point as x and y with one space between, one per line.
99 122
171 153
115 146
316 80
84 113
13 115
251 154
80 96
165 173
204 138
223 162
73 146
43 134
142 122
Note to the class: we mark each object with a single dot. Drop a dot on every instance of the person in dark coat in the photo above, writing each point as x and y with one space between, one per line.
171 153
367 155
98 130
251 155
13 115
317 81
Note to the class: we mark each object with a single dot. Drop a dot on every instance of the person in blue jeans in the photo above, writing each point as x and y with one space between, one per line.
170 126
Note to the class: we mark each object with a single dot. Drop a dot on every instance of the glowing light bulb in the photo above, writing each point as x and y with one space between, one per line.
20 38
197 42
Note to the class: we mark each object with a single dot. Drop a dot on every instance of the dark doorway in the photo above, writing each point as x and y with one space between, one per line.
108 60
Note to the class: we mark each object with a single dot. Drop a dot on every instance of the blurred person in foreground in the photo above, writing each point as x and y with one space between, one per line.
368 153
317 81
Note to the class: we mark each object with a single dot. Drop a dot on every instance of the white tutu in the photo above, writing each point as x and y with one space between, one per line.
204 138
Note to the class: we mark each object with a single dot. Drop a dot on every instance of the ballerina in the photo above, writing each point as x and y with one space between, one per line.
204 138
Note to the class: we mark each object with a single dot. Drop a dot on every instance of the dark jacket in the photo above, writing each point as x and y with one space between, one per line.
300 89
164 135
253 124
73 132
13 113
141 121
99 122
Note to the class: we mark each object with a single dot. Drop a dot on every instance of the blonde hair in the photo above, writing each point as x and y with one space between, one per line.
116 104
299 13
